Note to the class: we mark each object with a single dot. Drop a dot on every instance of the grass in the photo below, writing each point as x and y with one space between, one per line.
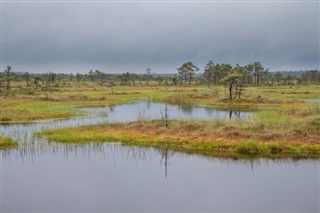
283 124
271 133
61 103
6 142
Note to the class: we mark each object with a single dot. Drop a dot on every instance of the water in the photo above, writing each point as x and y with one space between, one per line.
121 113
313 100
44 177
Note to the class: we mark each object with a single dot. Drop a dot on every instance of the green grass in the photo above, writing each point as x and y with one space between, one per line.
283 122
6 142
59 103
250 148
247 137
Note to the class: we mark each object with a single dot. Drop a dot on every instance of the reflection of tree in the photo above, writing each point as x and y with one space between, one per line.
165 153
235 114
111 108
148 104
209 110
186 109
28 152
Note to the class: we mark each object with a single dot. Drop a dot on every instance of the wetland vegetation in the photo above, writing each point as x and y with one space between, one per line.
159 106
283 122
6 142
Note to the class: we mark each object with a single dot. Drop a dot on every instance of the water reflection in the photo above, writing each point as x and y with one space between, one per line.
165 154
107 151
23 133
187 109
95 177
235 115
113 177
312 100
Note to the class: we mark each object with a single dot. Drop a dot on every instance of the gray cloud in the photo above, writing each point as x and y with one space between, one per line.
118 37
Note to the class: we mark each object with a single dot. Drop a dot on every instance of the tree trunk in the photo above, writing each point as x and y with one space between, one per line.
230 90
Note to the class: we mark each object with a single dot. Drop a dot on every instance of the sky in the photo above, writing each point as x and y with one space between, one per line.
117 37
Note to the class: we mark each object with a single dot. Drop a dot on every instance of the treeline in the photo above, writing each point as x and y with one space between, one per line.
213 74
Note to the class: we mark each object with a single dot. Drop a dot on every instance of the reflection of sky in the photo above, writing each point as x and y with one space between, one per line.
41 176
120 113
313 100
111 177
152 110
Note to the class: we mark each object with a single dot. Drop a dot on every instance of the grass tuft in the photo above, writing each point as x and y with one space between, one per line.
6 142
250 148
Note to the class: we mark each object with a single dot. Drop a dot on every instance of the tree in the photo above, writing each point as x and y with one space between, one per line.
133 77
239 88
232 79
2 80
112 84
247 74
264 76
174 80
125 78
187 71
288 79
258 70
8 76
223 70
36 81
208 73
160 79
148 72
100 76
311 76
91 75
26 76
278 77
50 78
78 77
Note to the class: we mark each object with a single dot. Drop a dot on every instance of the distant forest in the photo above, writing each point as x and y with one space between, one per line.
188 74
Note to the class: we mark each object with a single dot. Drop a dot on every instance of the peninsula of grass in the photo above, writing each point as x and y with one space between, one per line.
6 142
270 133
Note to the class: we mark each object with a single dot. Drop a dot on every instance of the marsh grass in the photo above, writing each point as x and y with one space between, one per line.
45 105
283 122
269 133
6 142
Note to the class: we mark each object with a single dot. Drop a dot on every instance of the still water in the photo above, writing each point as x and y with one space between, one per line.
312 100
44 177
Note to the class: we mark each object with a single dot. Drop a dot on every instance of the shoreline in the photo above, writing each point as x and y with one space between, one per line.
179 137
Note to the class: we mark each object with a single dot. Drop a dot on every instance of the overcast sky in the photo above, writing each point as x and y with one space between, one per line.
129 37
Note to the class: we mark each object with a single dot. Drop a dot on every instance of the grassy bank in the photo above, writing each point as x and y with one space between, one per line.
6 142
61 103
270 133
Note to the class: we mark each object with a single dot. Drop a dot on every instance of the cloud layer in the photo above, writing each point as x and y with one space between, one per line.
119 37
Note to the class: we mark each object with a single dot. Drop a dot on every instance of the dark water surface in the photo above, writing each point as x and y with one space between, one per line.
51 177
